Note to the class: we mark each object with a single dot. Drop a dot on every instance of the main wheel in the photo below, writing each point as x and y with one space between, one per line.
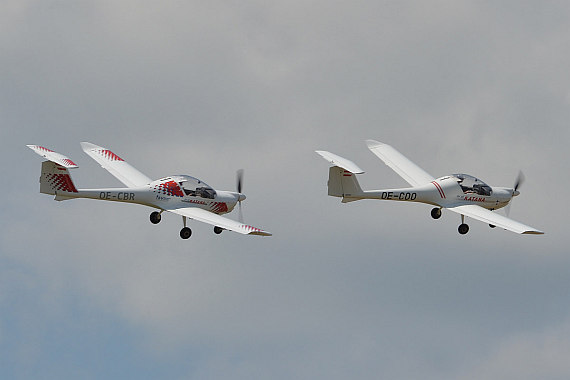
492 225
155 217
218 230
436 213
463 228
185 233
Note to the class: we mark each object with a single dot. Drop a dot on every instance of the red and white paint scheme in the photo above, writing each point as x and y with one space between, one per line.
184 195
460 193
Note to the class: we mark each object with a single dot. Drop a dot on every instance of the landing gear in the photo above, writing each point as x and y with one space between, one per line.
185 233
492 225
463 228
155 217
436 213
218 230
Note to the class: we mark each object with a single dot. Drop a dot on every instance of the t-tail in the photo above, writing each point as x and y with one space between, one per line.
343 183
342 177
55 178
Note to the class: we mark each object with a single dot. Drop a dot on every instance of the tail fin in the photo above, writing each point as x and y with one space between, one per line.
55 180
343 183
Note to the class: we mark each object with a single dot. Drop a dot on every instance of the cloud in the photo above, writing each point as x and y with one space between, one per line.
340 290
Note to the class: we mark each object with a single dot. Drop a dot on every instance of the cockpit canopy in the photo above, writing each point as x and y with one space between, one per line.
195 187
472 185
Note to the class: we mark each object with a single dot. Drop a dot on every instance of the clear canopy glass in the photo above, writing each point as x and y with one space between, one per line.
195 187
472 185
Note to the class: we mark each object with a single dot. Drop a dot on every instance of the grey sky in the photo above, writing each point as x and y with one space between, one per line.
361 290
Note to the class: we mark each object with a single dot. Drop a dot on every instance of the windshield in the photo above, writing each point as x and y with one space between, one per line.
472 185
196 188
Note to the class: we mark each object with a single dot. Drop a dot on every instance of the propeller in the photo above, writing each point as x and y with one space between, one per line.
239 182
518 182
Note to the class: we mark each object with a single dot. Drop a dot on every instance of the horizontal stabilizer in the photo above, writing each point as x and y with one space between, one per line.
52 156
340 161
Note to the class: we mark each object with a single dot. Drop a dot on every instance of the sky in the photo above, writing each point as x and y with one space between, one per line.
364 290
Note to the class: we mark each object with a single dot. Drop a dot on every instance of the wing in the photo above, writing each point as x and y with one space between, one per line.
115 165
340 161
405 168
220 221
487 216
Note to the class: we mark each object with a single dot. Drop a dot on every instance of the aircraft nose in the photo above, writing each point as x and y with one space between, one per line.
241 197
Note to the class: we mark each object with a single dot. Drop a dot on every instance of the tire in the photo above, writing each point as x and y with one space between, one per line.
463 228
185 233
155 217
436 213
218 230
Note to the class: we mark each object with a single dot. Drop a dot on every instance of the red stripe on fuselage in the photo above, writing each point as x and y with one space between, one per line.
439 189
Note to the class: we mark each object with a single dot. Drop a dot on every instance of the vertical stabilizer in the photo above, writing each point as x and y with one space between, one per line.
55 180
343 183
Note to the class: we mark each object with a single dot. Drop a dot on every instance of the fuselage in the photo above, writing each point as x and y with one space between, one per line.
166 193
447 191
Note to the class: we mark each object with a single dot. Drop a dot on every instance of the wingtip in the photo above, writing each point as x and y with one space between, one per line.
261 233
533 232
88 146
373 144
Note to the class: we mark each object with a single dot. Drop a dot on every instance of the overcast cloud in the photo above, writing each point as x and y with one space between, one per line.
363 290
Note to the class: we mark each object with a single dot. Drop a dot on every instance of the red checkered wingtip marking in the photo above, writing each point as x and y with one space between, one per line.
251 228
109 155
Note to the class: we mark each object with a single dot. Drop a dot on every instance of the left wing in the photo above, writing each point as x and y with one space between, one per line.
488 216
204 216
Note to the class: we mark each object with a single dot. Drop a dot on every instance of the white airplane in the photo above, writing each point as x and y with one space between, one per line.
180 194
460 193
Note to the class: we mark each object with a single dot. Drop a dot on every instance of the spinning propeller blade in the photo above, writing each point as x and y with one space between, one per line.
520 179
518 182
239 182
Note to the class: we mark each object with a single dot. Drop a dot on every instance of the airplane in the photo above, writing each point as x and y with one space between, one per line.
179 194
461 193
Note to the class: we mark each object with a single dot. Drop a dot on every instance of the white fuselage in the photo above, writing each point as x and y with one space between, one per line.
442 192
164 194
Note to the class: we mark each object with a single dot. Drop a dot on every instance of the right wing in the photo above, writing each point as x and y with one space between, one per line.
490 217
204 216
115 165
405 168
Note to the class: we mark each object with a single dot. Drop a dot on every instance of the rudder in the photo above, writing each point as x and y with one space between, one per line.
56 180
343 183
